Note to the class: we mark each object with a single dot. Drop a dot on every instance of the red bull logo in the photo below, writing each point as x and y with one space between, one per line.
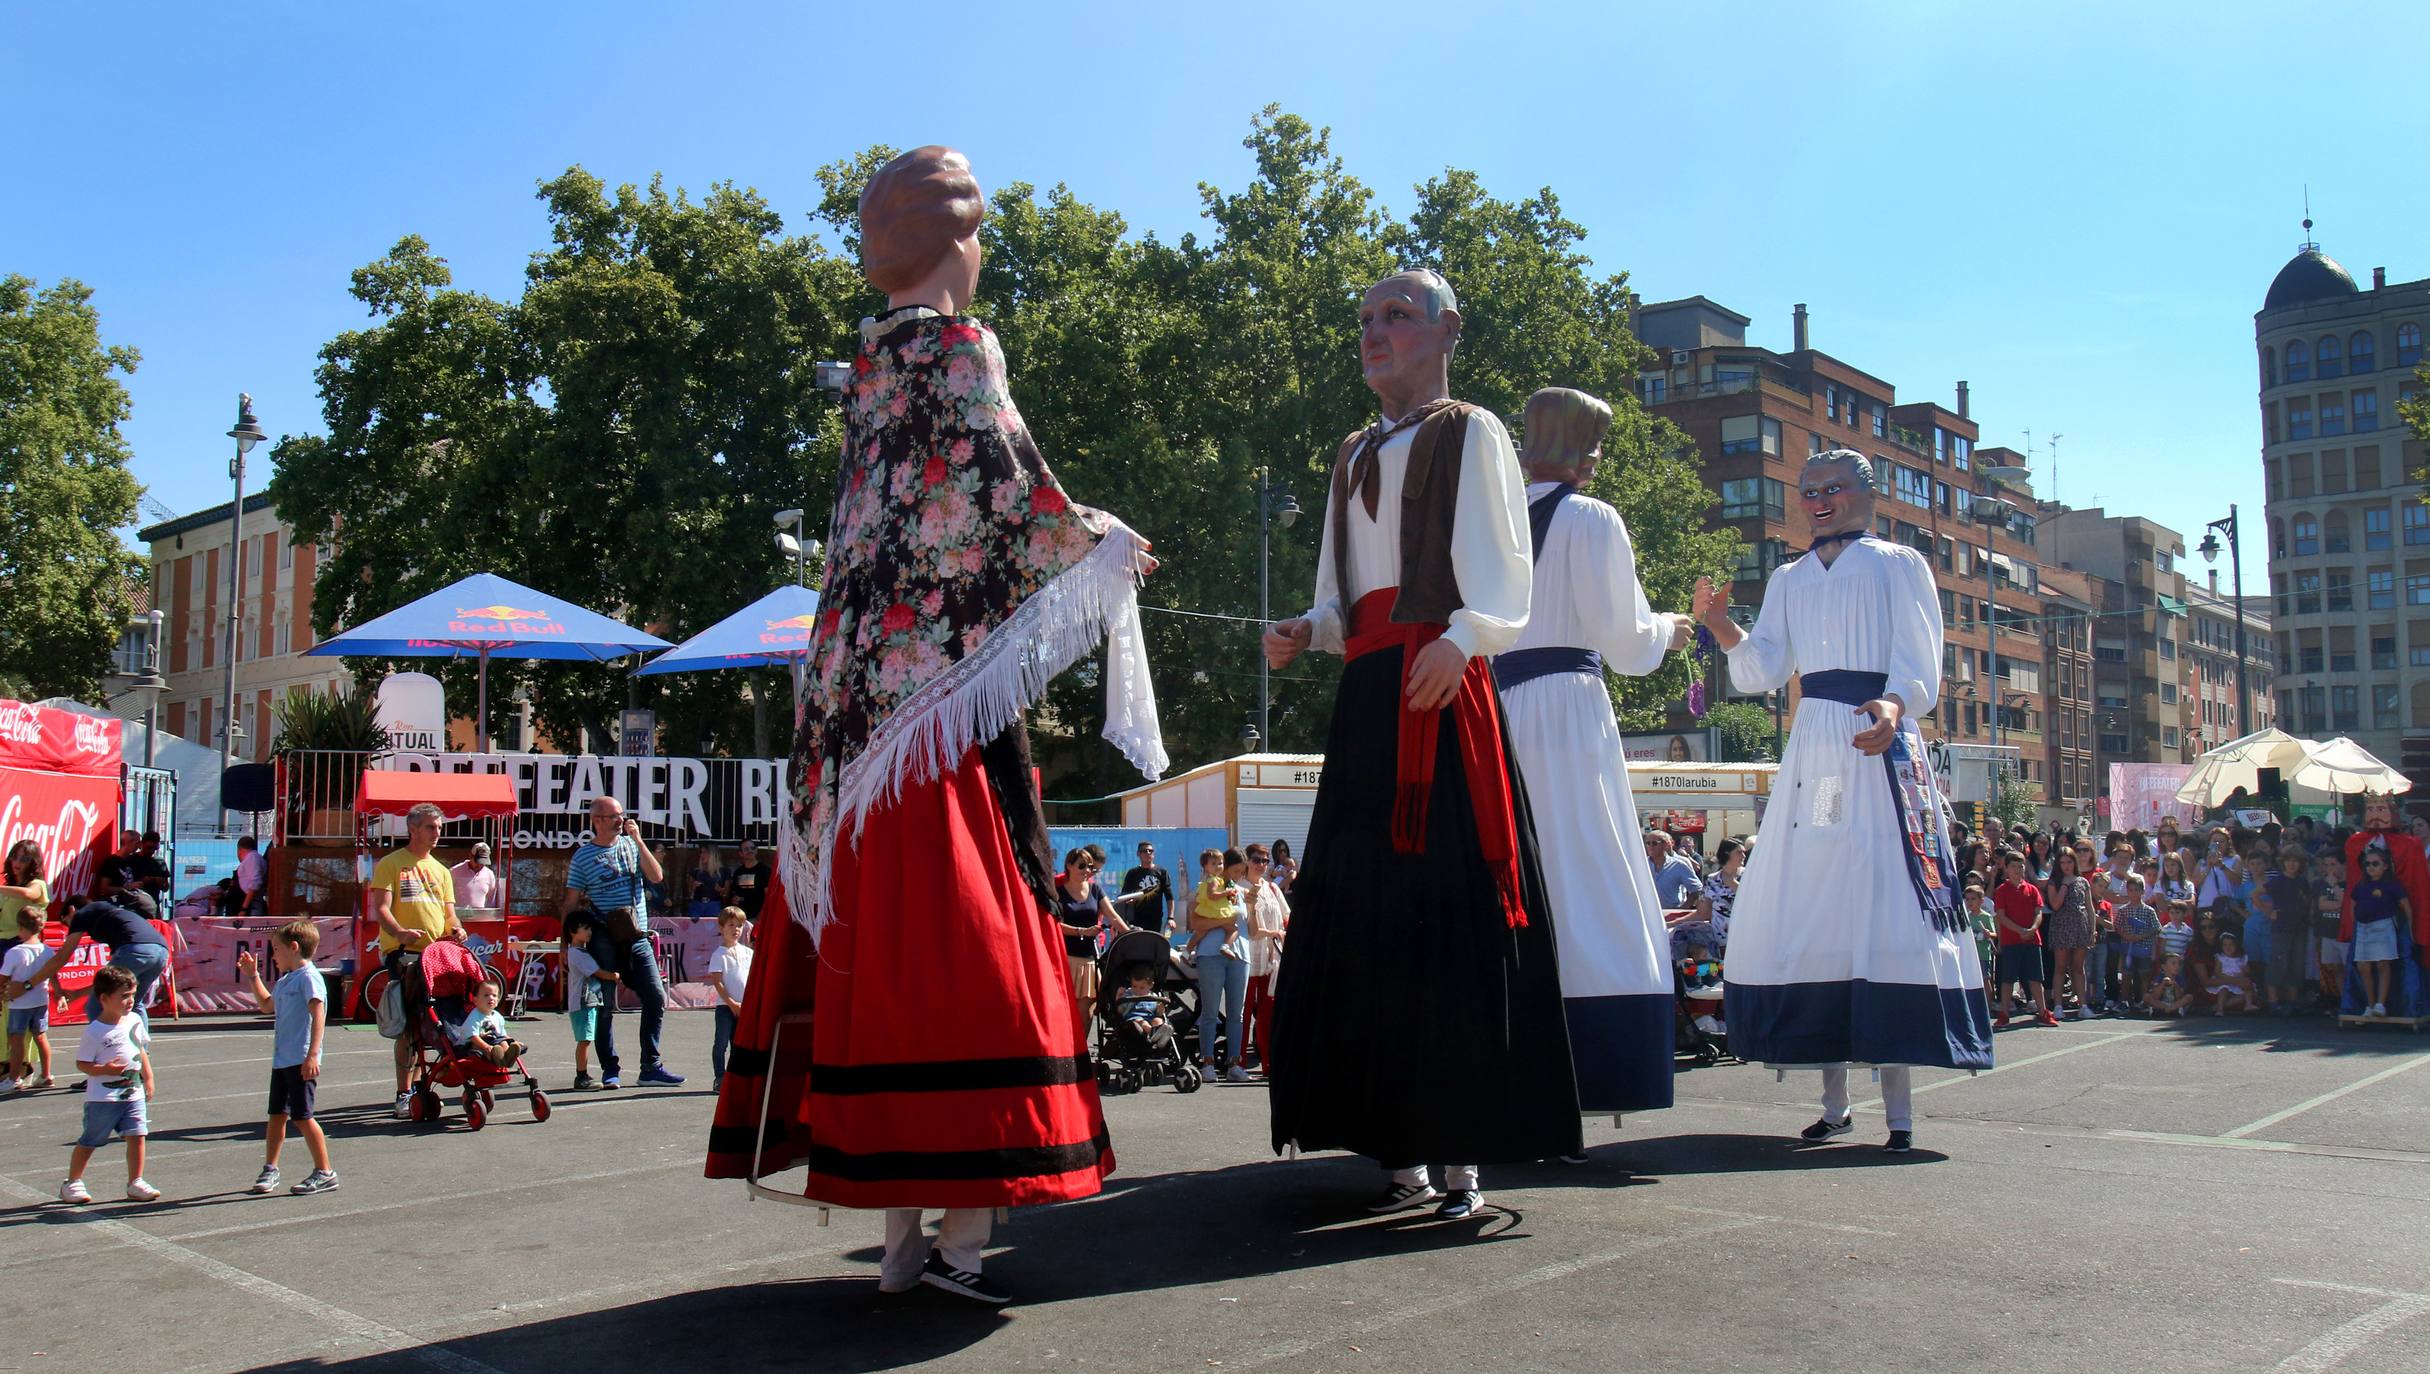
500 616
500 612
793 629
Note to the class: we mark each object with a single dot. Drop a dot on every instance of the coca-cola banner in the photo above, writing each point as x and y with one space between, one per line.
59 788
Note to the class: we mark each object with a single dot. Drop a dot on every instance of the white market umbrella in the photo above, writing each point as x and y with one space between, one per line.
2345 768
2238 764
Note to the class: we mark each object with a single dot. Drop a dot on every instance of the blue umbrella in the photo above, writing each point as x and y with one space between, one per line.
486 615
772 632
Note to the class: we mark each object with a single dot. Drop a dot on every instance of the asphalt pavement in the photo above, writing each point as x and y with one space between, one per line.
2204 1195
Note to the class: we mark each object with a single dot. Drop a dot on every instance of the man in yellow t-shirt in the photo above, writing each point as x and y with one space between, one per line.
414 899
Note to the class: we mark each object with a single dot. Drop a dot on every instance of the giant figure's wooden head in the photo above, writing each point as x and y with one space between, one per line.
918 211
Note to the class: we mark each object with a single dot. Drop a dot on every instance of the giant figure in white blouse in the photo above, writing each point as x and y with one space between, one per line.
1418 1019
1845 944
1589 616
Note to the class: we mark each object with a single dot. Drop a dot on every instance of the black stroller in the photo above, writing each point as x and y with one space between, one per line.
1129 1058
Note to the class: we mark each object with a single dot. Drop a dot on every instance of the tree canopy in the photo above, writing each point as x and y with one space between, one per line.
622 434
66 583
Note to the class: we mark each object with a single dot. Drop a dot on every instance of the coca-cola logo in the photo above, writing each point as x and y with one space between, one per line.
65 840
92 735
20 723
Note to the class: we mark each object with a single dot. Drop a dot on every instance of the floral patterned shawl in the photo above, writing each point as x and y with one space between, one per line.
960 580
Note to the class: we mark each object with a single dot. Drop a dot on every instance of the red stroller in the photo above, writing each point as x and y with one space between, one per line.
451 974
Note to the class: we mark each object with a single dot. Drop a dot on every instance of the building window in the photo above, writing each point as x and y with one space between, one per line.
1653 389
2360 352
2168 736
2337 533
2384 707
2383 652
2341 660
2327 356
1751 498
1831 402
2307 592
1757 560
2417 523
1961 451
2366 411
1738 434
2375 530
2417 589
2345 708
2299 361
2408 344
2168 693
2307 533
2332 415
2341 593
1881 423
2315 706
2299 419
2269 367
2382 590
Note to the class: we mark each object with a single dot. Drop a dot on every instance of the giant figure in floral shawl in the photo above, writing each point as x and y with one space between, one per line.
944 1064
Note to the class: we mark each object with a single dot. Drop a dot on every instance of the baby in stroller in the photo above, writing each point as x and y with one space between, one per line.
462 1043
1135 1016
482 1031
1697 964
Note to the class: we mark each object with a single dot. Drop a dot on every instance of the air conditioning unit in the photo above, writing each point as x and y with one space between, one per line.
1679 357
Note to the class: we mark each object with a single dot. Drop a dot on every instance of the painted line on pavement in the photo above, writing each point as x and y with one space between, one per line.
1433 1307
2326 1098
1874 1104
329 1314
2332 1347
1841 1228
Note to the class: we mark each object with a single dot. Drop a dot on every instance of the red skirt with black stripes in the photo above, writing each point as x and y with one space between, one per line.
929 1053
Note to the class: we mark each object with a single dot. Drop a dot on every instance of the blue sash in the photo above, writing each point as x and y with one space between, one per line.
1526 665
1912 790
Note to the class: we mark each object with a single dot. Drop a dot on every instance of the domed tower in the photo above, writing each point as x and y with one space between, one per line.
2347 533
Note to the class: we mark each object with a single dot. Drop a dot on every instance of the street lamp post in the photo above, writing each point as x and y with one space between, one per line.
1991 513
1275 506
2210 554
247 433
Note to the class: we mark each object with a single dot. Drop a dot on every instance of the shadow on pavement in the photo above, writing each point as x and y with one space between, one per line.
2306 1034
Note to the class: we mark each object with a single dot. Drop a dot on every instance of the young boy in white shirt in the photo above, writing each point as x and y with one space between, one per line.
729 976
118 1080
587 988
29 1015
483 1031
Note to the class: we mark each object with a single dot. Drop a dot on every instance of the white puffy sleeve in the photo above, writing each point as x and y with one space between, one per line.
1331 625
1617 621
1762 661
1915 633
1490 553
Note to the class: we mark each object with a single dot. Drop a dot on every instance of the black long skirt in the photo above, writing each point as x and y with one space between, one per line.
1411 1022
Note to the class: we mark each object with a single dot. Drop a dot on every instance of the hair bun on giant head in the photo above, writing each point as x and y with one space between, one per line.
913 212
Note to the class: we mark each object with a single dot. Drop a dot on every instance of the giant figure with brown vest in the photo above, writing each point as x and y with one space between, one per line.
1420 879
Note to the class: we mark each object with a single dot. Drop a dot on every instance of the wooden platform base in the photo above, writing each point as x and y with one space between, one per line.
2411 1023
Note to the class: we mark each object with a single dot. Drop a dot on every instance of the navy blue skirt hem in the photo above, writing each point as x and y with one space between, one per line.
1853 1021
1621 1048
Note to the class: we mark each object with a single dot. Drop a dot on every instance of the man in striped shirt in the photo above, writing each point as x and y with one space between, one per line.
609 871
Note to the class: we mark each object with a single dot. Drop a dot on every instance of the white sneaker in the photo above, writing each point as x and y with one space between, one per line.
404 1106
2377 1009
268 1182
73 1191
7 1086
1236 1074
141 1191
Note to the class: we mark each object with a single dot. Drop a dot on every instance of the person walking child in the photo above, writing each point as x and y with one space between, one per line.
729 975
114 1057
299 1009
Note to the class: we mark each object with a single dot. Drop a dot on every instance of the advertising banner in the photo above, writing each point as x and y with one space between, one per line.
1668 746
59 789
2141 793
676 800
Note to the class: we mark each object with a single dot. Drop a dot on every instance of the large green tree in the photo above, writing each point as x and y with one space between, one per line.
66 583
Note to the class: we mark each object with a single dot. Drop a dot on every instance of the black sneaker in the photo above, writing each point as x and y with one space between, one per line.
938 1274
584 1083
1462 1204
1403 1196
1824 1128
1900 1142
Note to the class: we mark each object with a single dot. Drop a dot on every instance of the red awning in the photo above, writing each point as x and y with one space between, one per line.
389 792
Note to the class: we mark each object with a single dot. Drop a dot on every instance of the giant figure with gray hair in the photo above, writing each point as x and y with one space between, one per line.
1847 944
1420 871
1589 615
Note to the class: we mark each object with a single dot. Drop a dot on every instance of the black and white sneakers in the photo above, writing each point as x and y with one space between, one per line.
961 1282
1900 1142
1824 1128
1461 1204
1402 1197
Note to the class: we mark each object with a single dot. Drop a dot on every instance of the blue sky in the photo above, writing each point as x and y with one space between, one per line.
2075 207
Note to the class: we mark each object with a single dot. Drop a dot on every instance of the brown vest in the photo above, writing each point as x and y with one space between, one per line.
1430 490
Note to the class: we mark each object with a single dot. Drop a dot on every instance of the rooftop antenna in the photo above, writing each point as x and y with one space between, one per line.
2308 244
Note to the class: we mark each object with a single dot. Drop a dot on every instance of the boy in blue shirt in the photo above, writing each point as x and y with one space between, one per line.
299 1010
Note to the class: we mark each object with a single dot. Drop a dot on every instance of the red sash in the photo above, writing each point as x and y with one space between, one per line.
1474 716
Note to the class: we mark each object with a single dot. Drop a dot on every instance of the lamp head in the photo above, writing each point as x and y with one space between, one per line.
789 518
1286 509
248 431
2209 547
1250 738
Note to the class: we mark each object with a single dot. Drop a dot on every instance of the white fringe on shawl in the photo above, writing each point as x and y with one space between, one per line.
1094 600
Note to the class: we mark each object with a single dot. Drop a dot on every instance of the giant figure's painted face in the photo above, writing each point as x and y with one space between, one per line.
2379 813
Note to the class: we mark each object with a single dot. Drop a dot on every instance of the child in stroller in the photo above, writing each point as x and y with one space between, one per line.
483 1058
1139 1041
1696 960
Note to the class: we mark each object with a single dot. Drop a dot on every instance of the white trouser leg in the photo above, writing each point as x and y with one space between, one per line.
1835 1093
1460 1177
962 1235
1415 1176
1898 1096
906 1250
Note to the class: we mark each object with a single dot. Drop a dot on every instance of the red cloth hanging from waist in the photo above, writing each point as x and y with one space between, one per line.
1479 728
